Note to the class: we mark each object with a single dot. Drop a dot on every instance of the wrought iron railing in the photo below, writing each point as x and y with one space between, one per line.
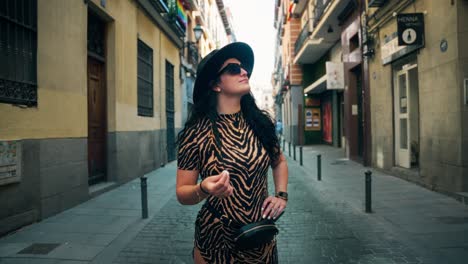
320 7
18 52
305 33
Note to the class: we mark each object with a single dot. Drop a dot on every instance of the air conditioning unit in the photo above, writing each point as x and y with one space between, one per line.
377 3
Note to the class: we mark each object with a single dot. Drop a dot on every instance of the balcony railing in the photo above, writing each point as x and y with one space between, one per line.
320 7
192 54
305 33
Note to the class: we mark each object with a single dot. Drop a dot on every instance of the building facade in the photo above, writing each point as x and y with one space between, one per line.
419 102
324 103
91 96
385 80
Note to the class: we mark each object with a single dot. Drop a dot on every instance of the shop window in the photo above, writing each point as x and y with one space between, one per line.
18 49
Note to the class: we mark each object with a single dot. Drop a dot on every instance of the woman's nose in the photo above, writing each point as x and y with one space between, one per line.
244 72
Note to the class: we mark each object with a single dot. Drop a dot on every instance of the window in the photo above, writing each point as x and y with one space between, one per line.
18 49
354 42
169 87
145 80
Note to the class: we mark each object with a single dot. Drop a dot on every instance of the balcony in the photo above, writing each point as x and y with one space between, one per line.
325 30
299 6
193 56
303 36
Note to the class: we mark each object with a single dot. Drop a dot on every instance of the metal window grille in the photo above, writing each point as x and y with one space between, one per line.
145 80
170 111
18 50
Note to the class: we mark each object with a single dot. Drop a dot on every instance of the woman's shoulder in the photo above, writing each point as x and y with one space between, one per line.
198 127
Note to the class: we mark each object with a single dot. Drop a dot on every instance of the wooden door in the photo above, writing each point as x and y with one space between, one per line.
96 121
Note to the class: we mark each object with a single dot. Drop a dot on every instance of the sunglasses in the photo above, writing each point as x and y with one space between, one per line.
233 69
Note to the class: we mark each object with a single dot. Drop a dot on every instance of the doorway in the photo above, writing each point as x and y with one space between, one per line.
406 105
97 94
356 124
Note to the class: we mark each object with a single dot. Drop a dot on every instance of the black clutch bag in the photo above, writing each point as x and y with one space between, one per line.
253 235
256 234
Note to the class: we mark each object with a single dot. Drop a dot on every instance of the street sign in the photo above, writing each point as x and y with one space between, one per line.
410 29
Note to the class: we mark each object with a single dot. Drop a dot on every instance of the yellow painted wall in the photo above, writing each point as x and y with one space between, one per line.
61 70
131 23
62 73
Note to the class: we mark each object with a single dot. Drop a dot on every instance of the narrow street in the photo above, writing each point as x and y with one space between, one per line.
325 222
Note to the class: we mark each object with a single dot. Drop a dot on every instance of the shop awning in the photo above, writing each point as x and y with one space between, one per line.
319 86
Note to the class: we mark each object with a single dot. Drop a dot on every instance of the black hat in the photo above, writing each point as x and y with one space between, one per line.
211 63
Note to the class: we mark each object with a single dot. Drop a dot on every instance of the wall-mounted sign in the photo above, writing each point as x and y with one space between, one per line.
443 45
10 157
312 102
354 110
410 29
335 75
390 50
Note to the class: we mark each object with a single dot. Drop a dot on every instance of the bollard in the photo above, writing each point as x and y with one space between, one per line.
289 149
300 155
368 191
284 144
319 167
144 197
294 152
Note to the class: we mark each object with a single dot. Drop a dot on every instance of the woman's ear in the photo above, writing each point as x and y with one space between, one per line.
217 89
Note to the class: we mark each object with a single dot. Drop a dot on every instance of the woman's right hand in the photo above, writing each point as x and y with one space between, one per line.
218 185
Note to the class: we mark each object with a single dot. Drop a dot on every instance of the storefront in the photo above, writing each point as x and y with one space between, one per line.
416 79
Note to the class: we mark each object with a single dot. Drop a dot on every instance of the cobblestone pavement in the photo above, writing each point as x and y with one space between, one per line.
317 228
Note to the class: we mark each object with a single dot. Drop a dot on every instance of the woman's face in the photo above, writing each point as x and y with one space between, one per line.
234 79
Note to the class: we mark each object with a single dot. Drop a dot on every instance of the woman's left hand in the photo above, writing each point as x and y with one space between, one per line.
272 207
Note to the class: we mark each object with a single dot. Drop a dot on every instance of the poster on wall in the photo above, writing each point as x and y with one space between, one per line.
312 119
327 121
9 162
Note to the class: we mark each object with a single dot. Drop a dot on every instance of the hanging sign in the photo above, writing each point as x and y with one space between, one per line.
335 75
410 29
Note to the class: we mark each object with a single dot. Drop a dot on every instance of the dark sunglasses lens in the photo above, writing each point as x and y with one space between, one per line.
233 69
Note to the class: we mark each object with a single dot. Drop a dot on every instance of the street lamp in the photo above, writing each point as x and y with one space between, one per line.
198 30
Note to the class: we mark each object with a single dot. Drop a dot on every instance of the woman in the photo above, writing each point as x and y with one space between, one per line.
230 143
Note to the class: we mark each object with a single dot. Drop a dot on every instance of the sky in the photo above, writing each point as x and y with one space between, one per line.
253 24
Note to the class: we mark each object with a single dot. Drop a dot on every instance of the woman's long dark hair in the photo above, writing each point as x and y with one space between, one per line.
259 121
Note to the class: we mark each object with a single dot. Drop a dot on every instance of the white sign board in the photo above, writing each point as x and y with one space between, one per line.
335 75
390 48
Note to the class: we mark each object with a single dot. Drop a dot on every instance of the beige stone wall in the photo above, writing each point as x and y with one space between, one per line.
439 99
62 73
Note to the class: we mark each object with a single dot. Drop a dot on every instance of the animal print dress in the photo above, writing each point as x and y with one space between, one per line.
247 162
